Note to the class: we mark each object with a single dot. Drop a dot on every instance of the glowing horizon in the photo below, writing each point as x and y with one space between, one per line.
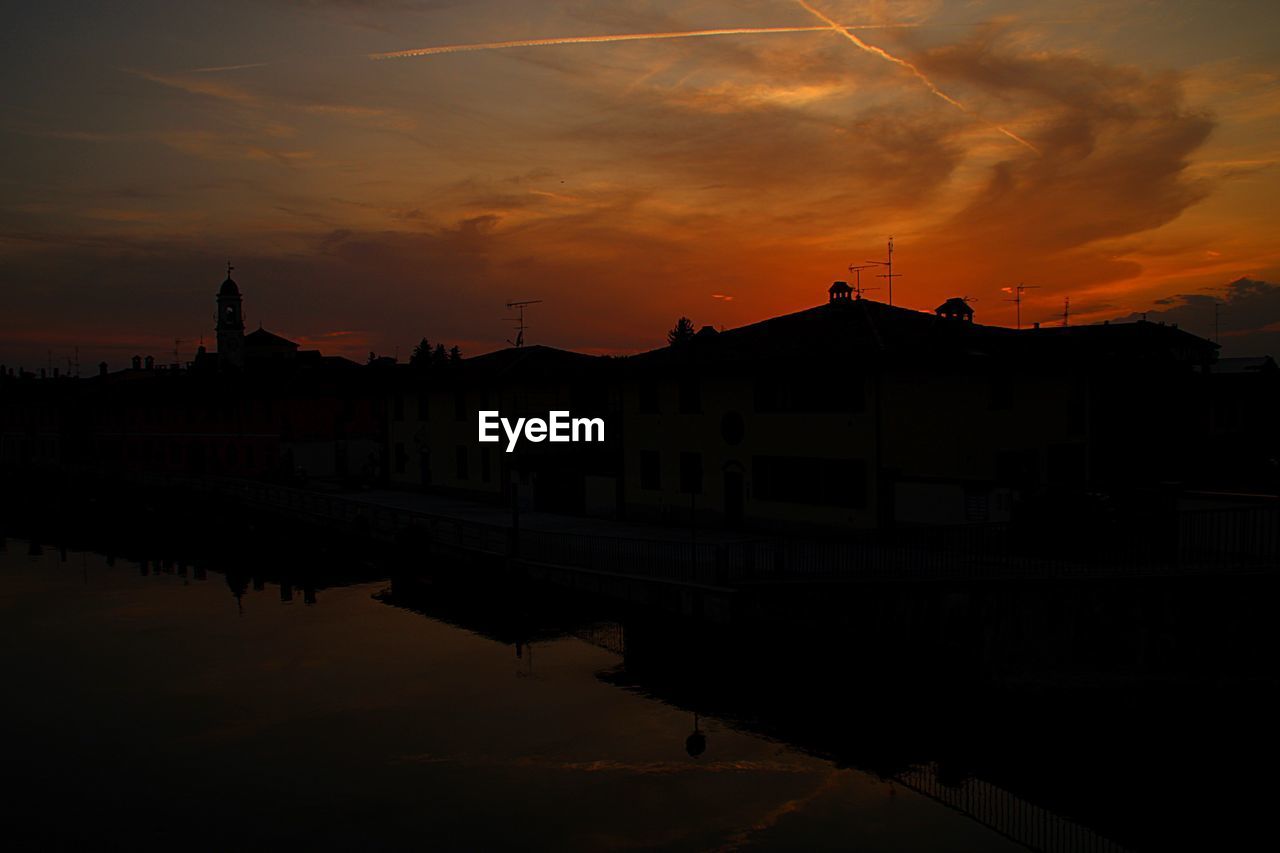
726 161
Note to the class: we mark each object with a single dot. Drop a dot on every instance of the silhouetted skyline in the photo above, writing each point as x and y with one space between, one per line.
1118 153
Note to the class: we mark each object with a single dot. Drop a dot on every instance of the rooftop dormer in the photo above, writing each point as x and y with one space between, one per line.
955 308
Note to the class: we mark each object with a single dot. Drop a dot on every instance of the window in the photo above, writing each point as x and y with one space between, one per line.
650 470
402 458
424 407
461 458
810 480
691 473
397 407
459 405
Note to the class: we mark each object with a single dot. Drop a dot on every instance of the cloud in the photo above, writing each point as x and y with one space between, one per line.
211 145
1116 145
383 118
1248 316
620 183
206 86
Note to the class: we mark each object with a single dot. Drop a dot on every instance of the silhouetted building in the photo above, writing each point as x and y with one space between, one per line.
230 323
257 408
433 428
860 414
852 414
955 308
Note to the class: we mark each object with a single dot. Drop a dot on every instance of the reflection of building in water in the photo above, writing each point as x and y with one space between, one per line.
757 694
696 743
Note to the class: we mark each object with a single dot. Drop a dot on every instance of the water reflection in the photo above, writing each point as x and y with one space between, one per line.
389 711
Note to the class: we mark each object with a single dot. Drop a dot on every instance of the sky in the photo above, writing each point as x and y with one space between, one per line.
370 191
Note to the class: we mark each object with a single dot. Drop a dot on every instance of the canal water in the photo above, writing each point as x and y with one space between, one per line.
169 704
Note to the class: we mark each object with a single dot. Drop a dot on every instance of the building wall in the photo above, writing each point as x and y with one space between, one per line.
966 442
729 437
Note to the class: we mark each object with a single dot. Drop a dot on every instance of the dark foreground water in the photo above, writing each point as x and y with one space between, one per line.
181 676
148 705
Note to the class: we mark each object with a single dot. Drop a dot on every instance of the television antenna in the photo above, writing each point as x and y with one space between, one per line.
1017 290
519 305
889 273
858 289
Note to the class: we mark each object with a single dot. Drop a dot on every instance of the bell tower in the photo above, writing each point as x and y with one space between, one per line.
230 327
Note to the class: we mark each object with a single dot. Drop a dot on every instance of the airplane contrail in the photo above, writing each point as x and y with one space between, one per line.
681 34
919 75
828 24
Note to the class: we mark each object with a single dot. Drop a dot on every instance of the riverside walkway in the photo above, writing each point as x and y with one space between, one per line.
1206 542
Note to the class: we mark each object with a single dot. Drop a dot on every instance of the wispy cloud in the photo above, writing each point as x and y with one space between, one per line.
199 86
914 71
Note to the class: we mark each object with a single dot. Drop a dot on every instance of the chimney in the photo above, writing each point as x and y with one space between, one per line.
151 362
102 368
1035 325
137 362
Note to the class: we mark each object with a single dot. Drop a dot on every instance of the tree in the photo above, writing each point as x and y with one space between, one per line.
439 355
455 355
421 354
373 356
682 333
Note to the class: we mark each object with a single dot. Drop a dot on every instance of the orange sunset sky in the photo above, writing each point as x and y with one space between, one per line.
1120 153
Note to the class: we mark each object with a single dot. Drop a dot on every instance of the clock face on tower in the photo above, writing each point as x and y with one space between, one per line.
229 315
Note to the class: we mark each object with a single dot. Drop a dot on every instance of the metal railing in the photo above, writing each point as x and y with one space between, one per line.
1008 814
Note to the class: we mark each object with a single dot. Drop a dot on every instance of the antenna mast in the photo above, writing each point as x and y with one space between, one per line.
1066 311
889 273
520 327
1017 297
858 289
